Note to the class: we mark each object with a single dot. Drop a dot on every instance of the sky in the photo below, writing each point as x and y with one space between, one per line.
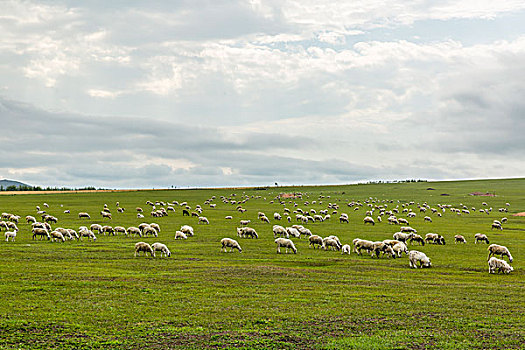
142 94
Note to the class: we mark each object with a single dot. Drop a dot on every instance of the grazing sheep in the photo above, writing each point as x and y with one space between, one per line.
155 226
180 235
332 243
150 231
185 212
360 244
417 238
391 242
56 236
96 227
499 265
204 220
400 248
265 219
315 239
10 234
292 231
504 220
244 222
286 243
427 219
144 247
229 217
87 233
277 216
42 232
434 238
369 220
108 229
403 221
186 229
495 249
497 226
83 215
120 230
459 239
231 243
481 237
280 231
132 230
343 219
402 236
105 214
346 249
67 211
30 219
380 247
407 229
415 256
162 248
247 232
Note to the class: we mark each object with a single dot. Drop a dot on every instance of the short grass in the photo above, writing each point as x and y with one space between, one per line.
98 295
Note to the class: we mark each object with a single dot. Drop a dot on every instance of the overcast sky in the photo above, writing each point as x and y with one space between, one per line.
140 94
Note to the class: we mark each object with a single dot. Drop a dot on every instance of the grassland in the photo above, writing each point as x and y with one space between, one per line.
98 295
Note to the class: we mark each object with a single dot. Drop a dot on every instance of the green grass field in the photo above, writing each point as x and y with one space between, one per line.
81 294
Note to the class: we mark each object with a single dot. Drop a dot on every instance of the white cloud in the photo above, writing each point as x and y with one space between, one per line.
313 82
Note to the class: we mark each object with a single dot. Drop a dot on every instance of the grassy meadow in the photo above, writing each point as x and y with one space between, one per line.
81 294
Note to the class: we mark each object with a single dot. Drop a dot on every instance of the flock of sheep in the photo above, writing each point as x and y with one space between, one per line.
376 211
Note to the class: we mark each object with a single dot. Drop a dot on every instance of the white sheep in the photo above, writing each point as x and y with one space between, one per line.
105 214
292 231
87 233
286 243
265 219
56 236
10 234
247 232
346 249
459 239
279 231
180 235
231 243
434 238
481 237
415 256
144 247
277 216
495 249
244 222
400 248
96 227
369 220
380 247
132 230
83 215
155 226
42 232
30 219
186 229
499 265
315 239
360 244
402 236
162 248
120 230
204 220
228 217
427 218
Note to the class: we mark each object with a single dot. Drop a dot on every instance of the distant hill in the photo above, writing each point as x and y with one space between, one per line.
8 183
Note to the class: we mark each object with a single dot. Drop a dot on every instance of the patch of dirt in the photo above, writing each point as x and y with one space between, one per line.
486 194
519 214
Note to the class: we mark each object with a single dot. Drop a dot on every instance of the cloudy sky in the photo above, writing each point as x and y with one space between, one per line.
140 94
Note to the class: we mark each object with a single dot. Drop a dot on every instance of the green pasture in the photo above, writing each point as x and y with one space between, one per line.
97 295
